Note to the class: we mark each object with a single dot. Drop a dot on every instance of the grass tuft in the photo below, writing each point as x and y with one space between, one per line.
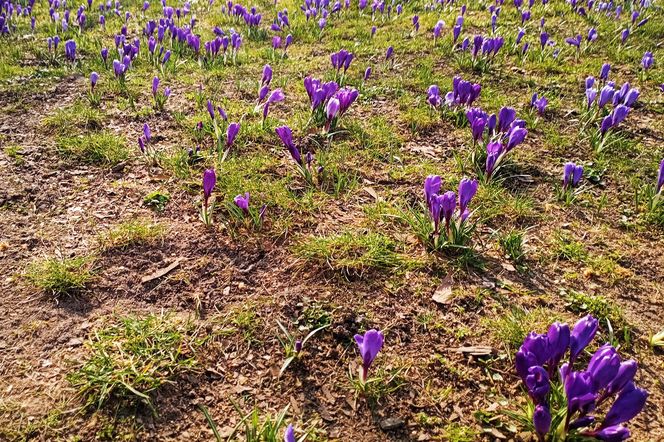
101 148
60 276
132 358
131 233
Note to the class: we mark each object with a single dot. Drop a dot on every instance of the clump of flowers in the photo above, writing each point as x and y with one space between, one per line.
159 97
494 137
328 102
539 104
243 210
597 108
572 174
448 216
565 403
463 95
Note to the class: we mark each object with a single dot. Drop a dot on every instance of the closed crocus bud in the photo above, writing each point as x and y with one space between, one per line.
582 333
558 337
516 137
209 181
624 34
467 190
155 86
542 420
660 177
631 97
146 132
604 72
578 390
619 114
538 383
94 77
590 82
447 206
388 53
231 133
603 367
332 108
432 185
298 346
289 435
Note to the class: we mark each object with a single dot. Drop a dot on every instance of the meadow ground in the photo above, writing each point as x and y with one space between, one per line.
124 317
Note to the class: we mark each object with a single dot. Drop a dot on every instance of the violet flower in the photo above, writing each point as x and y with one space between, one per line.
242 201
209 181
572 175
231 133
539 103
647 60
286 136
369 345
660 177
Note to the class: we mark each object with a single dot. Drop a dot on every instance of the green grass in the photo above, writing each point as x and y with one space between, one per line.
355 252
513 326
60 276
131 358
131 233
15 153
78 116
569 249
511 243
157 200
99 148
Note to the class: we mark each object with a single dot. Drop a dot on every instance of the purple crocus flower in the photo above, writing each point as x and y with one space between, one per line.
592 34
539 103
604 72
506 117
367 73
155 86
243 202
582 333
467 190
544 39
70 50
647 60
432 185
94 77
542 420
209 181
630 402
231 133
493 151
572 175
267 75
286 136
516 137
289 435
147 133
389 53
369 344
623 35
276 96
660 177
332 108
104 54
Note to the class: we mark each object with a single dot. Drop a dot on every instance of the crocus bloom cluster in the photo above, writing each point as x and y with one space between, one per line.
219 46
463 93
606 377
447 208
159 97
572 175
503 133
328 102
341 60
369 345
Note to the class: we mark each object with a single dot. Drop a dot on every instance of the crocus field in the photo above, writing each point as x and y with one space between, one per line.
332 220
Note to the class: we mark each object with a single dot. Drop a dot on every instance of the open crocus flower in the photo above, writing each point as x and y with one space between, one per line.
369 345
276 96
647 60
242 201
539 103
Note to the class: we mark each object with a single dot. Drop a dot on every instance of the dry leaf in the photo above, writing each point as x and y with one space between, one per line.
443 294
